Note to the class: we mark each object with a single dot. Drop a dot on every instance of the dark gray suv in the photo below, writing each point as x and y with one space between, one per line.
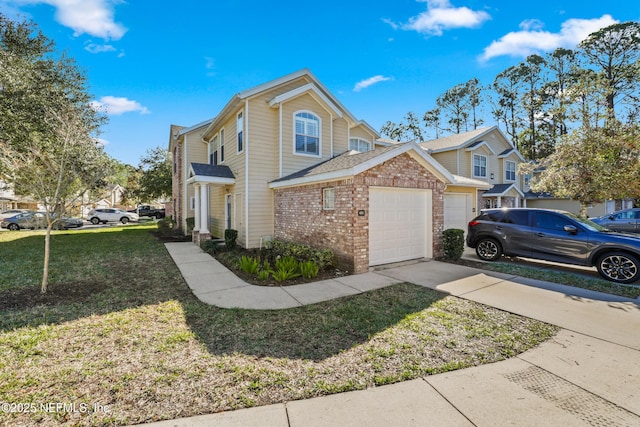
557 236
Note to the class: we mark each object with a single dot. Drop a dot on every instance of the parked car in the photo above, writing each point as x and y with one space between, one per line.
150 211
12 212
68 222
557 236
626 221
24 220
97 216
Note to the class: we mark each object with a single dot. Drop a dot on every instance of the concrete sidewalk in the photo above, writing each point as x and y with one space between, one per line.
589 374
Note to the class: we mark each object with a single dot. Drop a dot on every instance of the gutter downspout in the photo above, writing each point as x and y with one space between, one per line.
245 123
185 191
280 141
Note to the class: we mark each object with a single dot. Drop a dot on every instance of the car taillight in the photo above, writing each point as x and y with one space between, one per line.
473 223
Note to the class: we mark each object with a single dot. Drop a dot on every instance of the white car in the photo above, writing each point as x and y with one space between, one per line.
12 212
98 216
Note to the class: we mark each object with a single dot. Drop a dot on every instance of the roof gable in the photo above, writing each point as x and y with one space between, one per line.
464 140
312 85
351 163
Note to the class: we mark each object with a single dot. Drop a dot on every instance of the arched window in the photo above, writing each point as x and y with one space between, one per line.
359 144
307 134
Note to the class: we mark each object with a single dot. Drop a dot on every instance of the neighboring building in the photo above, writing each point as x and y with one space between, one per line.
287 160
549 201
483 155
9 200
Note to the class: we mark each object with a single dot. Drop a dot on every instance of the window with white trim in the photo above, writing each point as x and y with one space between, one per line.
329 198
479 166
192 203
213 151
509 170
239 128
359 144
307 134
221 146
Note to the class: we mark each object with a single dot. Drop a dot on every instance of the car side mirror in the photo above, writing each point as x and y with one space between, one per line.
612 218
571 229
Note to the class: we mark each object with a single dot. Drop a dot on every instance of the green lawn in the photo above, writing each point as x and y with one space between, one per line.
120 339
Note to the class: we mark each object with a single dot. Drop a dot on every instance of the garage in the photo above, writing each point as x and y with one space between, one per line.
457 210
400 224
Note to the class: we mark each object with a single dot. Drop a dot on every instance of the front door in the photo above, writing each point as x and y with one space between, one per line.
228 211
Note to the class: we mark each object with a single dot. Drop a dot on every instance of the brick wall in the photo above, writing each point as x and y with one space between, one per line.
299 215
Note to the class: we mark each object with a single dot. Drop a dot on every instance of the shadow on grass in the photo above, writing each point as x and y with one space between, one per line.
97 274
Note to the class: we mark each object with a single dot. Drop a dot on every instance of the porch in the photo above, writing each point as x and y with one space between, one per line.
202 177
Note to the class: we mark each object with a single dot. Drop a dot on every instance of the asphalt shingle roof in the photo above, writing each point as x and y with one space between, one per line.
217 171
344 161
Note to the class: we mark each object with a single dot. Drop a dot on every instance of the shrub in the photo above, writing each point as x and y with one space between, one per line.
453 242
166 226
282 275
212 247
264 274
230 237
322 257
191 223
286 268
309 269
249 265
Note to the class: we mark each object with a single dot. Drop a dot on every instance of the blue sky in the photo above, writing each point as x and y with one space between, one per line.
157 63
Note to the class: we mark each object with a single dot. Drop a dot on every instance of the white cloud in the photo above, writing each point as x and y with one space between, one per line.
533 39
441 15
370 81
99 48
94 17
115 106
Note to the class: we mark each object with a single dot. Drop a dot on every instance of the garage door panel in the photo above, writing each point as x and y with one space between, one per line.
398 225
457 211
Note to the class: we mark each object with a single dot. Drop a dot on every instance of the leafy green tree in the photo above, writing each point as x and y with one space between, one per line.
48 129
393 130
474 101
506 107
591 165
454 106
432 120
155 182
614 51
412 127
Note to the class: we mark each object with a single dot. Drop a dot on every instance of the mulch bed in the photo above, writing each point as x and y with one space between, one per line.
63 293
326 274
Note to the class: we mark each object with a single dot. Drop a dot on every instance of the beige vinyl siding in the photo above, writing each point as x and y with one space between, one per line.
340 136
217 193
196 153
449 160
263 145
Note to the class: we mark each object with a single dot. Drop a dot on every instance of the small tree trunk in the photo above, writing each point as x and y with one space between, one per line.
583 210
45 269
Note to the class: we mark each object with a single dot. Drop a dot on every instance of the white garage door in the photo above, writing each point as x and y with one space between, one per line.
457 211
400 223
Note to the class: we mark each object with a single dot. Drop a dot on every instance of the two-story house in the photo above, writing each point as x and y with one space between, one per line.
484 155
287 160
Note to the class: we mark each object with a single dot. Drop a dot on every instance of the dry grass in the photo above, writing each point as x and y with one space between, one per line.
144 348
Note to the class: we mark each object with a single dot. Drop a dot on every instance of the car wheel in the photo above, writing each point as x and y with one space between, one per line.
14 227
488 250
95 221
124 220
619 267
